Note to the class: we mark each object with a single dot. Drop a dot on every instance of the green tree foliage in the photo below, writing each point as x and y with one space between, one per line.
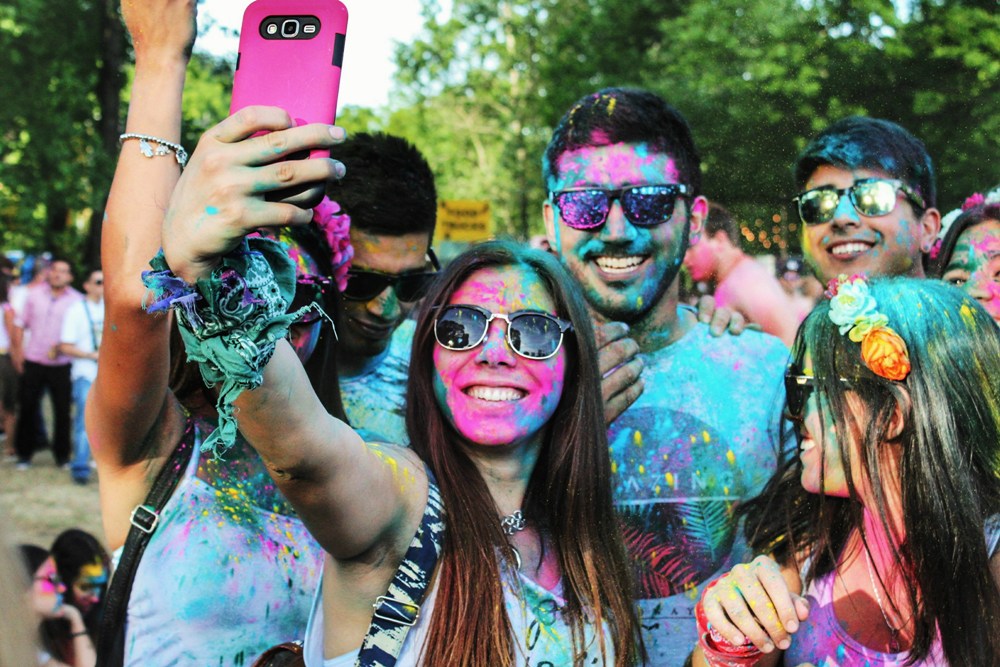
54 161
755 78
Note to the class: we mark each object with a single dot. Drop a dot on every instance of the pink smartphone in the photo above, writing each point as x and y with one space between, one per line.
290 56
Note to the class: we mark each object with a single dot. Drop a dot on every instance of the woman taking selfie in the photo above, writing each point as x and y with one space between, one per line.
508 455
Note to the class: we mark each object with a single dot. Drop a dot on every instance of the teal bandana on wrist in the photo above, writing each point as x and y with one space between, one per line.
230 321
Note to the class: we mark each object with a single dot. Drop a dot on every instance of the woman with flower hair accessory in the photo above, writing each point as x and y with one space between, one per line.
967 253
878 538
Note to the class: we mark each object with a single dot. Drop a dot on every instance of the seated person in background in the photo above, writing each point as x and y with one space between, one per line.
741 283
64 640
890 511
84 568
968 253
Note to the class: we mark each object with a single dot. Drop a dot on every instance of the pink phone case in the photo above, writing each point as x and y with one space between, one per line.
300 74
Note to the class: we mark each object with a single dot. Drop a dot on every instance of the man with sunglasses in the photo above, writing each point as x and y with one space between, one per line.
623 176
388 191
866 200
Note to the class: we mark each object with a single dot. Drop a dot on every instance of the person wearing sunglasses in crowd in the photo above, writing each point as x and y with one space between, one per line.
880 535
507 455
229 569
967 253
63 640
866 200
388 192
623 176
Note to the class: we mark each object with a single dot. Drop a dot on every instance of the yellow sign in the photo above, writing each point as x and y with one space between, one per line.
464 220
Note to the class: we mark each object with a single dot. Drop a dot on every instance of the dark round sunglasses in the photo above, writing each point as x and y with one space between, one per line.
643 205
871 197
530 334
366 284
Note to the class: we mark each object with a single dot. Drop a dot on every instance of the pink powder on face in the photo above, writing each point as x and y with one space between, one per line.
615 165
491 395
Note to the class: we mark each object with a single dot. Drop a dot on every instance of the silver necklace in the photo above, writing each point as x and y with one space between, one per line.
893 631
514 523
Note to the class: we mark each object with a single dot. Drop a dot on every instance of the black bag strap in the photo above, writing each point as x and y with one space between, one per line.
144 520
398 610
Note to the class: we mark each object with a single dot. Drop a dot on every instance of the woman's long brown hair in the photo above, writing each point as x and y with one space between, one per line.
568 495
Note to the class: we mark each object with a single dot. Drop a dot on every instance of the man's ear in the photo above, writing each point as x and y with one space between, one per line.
699 211
929 225
551 226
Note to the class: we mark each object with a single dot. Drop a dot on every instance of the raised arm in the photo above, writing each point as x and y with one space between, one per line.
129 417
353 497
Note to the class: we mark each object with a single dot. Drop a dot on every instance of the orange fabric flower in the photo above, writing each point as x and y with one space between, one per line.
884 352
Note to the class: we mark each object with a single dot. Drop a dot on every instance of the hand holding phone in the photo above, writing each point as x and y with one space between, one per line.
290 56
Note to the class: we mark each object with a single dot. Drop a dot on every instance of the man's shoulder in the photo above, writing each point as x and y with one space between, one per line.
751 344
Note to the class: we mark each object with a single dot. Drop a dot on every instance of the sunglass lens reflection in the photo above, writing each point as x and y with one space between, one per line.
583 210
534 336
648 206
460 328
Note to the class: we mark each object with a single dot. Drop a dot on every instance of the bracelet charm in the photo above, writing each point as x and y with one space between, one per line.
163 147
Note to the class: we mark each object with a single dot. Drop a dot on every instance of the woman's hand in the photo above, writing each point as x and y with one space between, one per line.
753 601
220 197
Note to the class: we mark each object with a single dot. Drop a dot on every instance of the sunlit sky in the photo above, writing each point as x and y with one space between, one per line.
372 27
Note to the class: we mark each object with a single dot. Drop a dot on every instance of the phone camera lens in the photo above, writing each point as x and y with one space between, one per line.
289 28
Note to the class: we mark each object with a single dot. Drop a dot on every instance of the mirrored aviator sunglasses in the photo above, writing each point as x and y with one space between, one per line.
871 197
643 205
530 334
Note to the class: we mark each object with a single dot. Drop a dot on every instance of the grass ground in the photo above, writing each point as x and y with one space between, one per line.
39 503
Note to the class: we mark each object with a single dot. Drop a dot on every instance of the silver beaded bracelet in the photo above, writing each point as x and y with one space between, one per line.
163 147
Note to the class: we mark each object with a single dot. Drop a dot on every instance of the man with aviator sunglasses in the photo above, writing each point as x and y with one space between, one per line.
866 200
389 194
623 176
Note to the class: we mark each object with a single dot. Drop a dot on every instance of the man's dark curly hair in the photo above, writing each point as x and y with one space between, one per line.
388 188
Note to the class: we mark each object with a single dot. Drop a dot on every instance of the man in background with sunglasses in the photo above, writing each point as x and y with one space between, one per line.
866 200
390 197
624 179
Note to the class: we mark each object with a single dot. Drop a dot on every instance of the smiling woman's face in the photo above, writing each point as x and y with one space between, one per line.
974 265
489 394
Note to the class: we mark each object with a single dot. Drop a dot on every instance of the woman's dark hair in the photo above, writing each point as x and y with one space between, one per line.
969 218
568 495
32 556
72 550
188 386
949 462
